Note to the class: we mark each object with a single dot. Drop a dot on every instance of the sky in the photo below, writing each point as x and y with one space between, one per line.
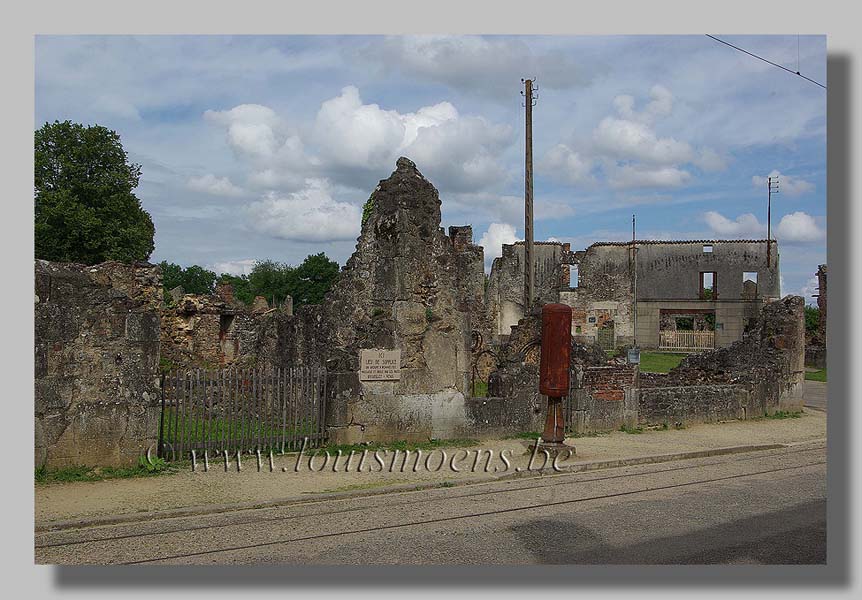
262 147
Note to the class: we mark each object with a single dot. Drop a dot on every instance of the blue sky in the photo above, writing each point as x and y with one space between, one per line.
258 147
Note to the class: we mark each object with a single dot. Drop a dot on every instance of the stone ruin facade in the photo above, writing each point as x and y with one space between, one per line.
625 293
213 331
815 347
96 362
102 331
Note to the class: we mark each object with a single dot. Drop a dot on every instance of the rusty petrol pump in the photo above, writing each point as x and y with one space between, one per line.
554 371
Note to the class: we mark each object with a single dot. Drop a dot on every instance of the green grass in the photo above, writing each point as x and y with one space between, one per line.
781 414
45 475
816 375
659 362
196 429
633 430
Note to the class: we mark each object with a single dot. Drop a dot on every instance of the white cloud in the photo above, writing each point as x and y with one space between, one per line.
309 215
799 227
488 66
493 239
811 287
787 184
660 105
744 226
257 133
627 139
709 160
458 153
353 143
217 186
629 176
234 267
564 164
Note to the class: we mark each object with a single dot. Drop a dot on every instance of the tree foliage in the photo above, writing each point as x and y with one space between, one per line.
85 210
812 319
306 283
194 279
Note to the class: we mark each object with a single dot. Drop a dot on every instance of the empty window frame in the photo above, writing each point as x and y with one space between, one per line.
749 285
708 285
573 276
707 248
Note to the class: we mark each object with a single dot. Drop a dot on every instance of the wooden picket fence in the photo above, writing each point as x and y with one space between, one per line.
241 410
686 341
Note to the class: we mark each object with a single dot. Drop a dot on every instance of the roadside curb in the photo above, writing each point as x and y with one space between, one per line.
207 509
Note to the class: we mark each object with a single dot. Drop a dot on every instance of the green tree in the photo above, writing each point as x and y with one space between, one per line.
194 279
314 277
241 287
812 319
306 284
85 210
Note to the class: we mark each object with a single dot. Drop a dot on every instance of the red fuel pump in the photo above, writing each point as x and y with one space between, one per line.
554 368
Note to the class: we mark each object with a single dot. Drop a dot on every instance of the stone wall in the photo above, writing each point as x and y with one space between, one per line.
504 300
760 374
815 351
206 330
97 390
408 286
604 398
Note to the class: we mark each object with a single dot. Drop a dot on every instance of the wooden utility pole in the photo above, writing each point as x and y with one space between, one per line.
772 184
529 276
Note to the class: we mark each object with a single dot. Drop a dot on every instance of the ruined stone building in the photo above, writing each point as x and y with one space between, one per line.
213 330
412 289
644 292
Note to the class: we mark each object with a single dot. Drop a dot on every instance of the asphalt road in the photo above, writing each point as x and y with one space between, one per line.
761 507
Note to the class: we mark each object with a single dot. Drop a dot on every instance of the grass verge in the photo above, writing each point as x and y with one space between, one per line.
816 375
659 362
45 475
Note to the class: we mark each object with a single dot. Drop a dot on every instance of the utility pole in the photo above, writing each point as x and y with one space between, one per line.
529 277
772 184
634 287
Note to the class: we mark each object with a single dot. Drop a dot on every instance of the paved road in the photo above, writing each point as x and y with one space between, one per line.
814 394
761 507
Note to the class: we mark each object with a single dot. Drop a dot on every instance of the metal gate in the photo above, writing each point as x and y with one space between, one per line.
605 337
240 410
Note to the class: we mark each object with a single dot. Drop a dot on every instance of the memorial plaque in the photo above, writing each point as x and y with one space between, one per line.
379 365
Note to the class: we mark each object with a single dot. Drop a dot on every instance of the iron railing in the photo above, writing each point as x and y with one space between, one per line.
240 410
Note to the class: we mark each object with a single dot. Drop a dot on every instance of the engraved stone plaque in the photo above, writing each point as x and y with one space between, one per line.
379 365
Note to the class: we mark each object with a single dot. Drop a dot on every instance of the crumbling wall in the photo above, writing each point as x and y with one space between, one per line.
604 398
216 330
603 295
504 300
815 349
96 362
408 286
760 374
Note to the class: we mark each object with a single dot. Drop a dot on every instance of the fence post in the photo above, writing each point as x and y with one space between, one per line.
161 418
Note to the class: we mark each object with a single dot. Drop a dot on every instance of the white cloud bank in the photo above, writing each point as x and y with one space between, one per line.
217 186
351 142
798 227
630 150
787 184
308 215
493 239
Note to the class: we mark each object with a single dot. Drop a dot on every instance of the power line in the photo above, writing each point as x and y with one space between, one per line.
769 61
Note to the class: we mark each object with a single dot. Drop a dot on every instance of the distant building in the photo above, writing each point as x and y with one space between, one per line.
677 295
